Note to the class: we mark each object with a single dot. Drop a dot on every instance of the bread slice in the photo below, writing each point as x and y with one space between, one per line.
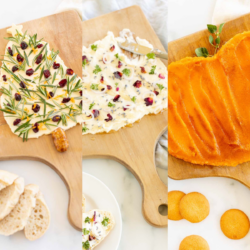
93 228
9 197
39 220
83 203
17 219
6 179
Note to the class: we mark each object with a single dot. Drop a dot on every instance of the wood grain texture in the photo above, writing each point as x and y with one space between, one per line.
133 147
184 47
62 31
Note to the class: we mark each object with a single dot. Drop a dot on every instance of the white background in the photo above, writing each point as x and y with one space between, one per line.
187 17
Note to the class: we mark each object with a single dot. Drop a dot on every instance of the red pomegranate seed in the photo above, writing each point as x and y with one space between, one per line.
35 127
80 93
23 45
91 238
95 112
10 51
19 58
110 118
16 122
149 101
109 87
22 85
143 70
137 84
5 78
85 57
14 69
161 76
65 99
116 98
39 59
112 48
102 79
70 72
56 65
39 46
46 73
56 118
17 97
35 107
156 92
118 75
117 89
125 108
63 83
119 64
51 94
29 72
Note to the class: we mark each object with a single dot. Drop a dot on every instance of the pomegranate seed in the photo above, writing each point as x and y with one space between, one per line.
29 72
112 48
85 57
116 98
14 69
22 85
117 89
118 75
65 100
125 108
95 113
91 238
56 65
102 89
46 73
16 122
35 127
137 84
110 118
63 82
39 59
35 107
23 45
102 79
39 46
19 58
149 101
80 93
17 97
5 78
10 51
161 76
51 94
80 103
119 64
56 118
143 70
70 72
109 87
156 92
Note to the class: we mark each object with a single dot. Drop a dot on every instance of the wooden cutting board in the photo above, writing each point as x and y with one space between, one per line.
179 169
133 147
62 31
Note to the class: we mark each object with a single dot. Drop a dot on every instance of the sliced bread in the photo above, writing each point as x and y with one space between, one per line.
6 179
9 196
96 225
17 219
39 220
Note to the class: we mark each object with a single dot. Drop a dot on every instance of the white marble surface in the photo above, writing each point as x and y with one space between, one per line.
137 233
186 17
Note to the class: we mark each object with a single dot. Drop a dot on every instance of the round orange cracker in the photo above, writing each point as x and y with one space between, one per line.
234 224
194 207
174 198
194 242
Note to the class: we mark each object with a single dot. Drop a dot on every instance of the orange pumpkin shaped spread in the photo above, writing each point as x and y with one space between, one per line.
209 106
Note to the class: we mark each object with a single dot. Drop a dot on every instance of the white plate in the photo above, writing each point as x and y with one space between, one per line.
98 196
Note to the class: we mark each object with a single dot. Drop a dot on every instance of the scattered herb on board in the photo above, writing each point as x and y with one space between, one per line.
214 40
84 129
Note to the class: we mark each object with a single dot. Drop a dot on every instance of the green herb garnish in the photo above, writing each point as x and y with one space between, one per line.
91 105
97 69
160 86
118 57
126 72
94 47
152 71
85 231
86 245
133 99
84 129
94 86
111 104
87 220
151 55
105 221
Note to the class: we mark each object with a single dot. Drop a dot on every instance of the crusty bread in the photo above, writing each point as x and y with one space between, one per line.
83 203
109 227
9 196
6 179
17 219
39 220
